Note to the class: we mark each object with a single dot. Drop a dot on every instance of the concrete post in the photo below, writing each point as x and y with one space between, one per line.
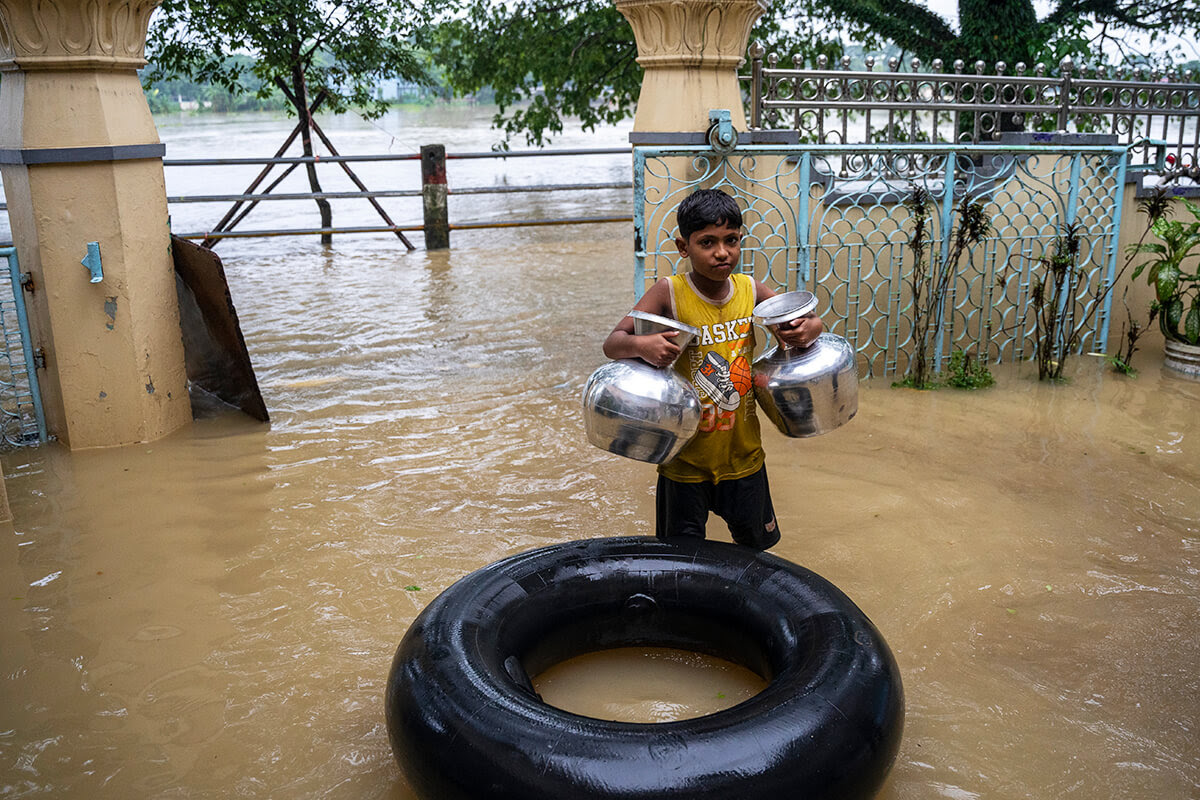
82 162
433 195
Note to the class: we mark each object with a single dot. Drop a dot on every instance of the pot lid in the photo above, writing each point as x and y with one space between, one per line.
784 307
645 322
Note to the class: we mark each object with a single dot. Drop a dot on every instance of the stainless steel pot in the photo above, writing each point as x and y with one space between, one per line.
804 391
638 411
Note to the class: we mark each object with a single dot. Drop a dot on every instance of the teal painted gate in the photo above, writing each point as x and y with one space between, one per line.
832 219
22 422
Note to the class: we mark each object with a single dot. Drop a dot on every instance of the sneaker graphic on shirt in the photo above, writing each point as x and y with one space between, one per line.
713 377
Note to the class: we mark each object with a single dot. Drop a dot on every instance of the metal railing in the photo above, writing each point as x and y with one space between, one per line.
244 202
834 104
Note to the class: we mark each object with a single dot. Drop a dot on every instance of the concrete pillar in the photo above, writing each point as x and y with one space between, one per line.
82 162
690 51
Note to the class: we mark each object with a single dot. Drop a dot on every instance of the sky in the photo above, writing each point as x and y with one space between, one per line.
948 10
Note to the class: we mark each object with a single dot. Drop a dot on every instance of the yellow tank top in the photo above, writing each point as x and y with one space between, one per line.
728 444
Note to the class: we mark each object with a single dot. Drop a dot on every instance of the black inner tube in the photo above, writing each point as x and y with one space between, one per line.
466 723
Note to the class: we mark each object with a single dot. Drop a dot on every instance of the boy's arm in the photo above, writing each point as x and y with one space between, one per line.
800 332
656 349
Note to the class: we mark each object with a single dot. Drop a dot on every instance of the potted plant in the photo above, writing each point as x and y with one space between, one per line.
1174 272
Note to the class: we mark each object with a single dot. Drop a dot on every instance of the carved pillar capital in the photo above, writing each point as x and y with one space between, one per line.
692 33
73 34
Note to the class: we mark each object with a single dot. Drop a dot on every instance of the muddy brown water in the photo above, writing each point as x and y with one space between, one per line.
214 614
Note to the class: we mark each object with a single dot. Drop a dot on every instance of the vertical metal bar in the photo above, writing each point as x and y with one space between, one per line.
1064 100
977 99
895 286
868 93
1021 301
1118 201
844 95
14 272
853 315
1179 141
988 273
944 257
892 97
1068 296
822 102
935 93
956 121
1073 194
803 223
639 223
1195 143
914 91
756 94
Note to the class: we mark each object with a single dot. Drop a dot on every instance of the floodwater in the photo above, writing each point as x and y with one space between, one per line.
658 684
214 614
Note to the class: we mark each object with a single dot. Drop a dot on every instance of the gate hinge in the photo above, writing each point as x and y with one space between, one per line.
39 358
27 281
720 134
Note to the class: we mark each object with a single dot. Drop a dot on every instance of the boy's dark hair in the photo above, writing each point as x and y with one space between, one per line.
705 207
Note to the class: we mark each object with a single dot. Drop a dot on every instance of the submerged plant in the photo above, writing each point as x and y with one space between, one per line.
1131 331
1053 299
929 282
965 372
1062 316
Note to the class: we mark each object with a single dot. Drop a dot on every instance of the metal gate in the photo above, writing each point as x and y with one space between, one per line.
832 219
22 421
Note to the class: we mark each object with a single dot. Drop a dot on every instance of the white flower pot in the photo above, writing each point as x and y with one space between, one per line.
1182 359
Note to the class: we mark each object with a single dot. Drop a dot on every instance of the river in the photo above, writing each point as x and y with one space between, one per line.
214 614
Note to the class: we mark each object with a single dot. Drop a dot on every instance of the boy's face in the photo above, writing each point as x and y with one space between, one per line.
714 251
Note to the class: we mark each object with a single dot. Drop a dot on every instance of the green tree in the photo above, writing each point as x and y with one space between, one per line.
318 53
546 59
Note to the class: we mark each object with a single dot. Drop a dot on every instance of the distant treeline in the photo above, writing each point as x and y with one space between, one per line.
170 96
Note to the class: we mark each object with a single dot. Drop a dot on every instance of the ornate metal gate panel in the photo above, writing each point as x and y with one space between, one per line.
22 422
833 219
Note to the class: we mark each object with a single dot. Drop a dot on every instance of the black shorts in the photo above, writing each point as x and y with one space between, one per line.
744 504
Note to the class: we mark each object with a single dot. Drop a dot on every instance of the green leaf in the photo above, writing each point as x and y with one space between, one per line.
1192 207
1166 282
412 588
1146 247
1173 314
1191 326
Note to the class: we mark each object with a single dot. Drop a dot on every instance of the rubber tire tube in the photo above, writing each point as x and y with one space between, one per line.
465 722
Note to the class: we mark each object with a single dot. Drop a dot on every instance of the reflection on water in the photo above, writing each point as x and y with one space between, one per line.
214 614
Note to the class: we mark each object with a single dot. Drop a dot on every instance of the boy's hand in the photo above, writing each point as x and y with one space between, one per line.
801 332
657 349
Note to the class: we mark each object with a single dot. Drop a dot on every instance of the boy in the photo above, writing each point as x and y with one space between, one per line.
721 469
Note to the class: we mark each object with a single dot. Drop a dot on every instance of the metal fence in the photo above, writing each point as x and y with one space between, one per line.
832 219
834 104
244 202
22 421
